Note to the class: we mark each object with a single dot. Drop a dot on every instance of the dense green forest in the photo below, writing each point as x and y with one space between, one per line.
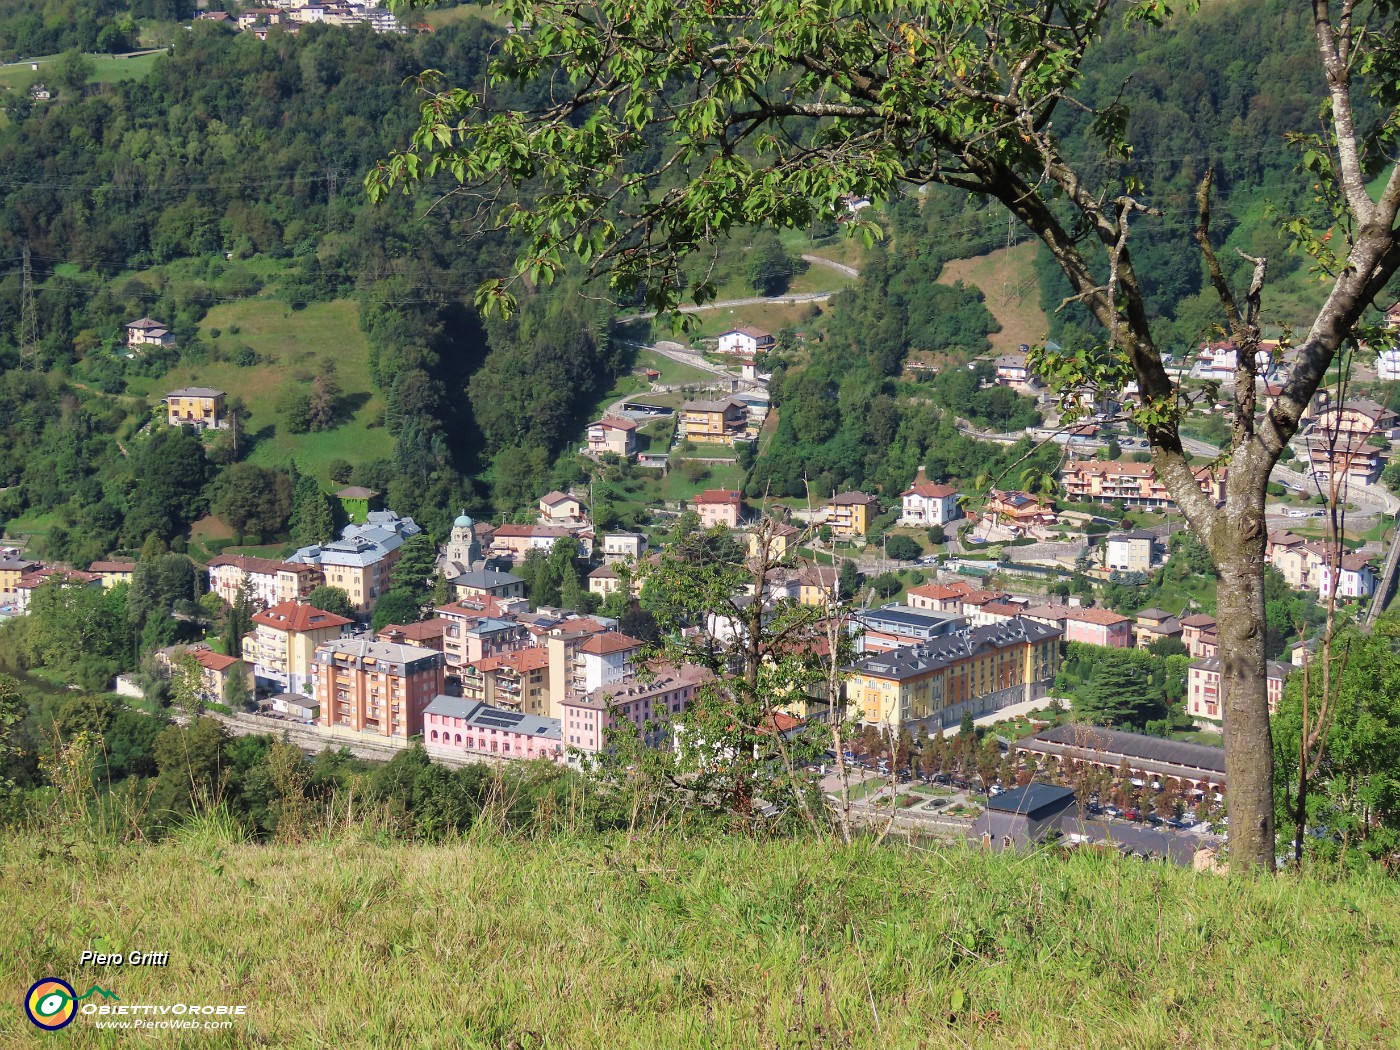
232 172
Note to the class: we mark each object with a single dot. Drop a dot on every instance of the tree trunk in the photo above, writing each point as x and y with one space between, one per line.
1238 548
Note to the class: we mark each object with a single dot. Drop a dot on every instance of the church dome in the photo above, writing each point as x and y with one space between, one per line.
462 522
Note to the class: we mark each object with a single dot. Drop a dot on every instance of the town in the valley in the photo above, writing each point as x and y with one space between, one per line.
963 613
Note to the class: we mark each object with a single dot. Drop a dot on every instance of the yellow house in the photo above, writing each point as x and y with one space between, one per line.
113 572
851 513
781 537
12 570
196 406
282 646
713 422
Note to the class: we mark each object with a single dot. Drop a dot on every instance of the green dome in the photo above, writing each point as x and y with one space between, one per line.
463 522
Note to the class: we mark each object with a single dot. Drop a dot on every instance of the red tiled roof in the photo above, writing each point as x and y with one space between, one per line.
609 642
295 616
943 591
527 531
616 423
262 566
851 499
414 632
112 566
930 491
1198 620
1101 617
726 496
213 661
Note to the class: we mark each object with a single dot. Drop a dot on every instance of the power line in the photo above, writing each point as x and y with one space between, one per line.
29 317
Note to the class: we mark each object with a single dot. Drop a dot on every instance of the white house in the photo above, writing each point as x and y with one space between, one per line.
745 341
1388 364
1356 578
147 332
930 504
1012 370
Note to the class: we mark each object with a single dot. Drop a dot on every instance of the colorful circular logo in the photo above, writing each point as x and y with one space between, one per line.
51 1004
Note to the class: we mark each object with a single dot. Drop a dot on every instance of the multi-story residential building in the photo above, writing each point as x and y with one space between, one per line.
376 687
613 434
483 582
929 504
1347 455
623 546
12 570
1133 484
457 727
1204 691
1359 418
745 341
196 406
31 582
776 540
148 332
560 508
851 514
608 656
940 597
1130 552
1155 624
1091 626
719 507
469 634
282 646
1289 555
518 680
983 668
1012 370
1356 577
818 584
267 582
519 540
604 580
360 562
1199 635
713 422
215 670
113 572
587 717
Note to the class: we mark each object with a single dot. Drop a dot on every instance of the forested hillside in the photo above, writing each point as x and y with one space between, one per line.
231 174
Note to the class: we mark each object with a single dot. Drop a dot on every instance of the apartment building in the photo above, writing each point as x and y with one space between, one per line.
113 572
1133 484
613 434
929 504
719 507
361 561
588 717
469 634
1130 552
713 422
851 514
281 649
518 680
983 667
1204 691
268 582
376 687
1091 626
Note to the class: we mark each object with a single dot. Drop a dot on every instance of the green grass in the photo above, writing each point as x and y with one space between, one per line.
673 373
106 69
288 341
677 943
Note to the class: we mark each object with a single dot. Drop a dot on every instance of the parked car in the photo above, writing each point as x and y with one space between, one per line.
1112 811
1178 825
1132 813
1094 808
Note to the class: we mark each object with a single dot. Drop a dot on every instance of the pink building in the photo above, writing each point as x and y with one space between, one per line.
719 507
588 716
1203 689
1198 634
1092 626
454 727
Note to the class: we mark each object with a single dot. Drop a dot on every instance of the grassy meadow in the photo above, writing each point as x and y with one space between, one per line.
670 942
289 344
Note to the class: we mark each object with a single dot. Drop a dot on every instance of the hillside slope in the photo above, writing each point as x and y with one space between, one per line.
555 942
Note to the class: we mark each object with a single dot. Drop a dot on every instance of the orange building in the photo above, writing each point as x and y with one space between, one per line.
1134 484
376 687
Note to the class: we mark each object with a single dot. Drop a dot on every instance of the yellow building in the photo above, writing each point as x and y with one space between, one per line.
196 406
12 570
282 646
713 422
851 513
982 669
781 540
113 572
